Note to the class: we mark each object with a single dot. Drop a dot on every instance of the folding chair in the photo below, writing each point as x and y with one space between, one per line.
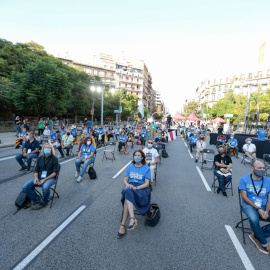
158 148
34 161
242 227
244 161
109 149
211 152
266 161
70 150
228 185
52 188
91 164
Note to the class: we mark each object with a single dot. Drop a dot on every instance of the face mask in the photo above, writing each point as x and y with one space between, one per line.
88 142
47 151
137 159
221 152
232 138
27 137
150 145
249 142
259 173
68 133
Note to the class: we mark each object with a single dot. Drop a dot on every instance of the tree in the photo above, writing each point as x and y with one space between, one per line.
192 106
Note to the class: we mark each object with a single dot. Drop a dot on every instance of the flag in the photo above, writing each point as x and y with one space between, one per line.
77 140
141 110
94 142
136 116
105 138
171 136
17 142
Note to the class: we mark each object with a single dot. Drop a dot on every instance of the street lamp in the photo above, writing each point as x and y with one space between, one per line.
100 87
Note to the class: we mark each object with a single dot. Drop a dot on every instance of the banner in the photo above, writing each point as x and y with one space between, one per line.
136 116
171 135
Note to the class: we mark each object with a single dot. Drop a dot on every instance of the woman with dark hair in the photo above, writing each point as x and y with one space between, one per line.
136 192
223 165
86 156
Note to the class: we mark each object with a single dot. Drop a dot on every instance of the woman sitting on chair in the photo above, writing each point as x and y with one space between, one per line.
86 156
201 144
136 192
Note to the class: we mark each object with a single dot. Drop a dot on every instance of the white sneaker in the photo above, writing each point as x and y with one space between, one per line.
76 174
79 179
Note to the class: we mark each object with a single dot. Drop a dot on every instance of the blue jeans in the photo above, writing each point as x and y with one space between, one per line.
29 158
78 163
51 128
253 217
236 150
18 129
29 189
222 180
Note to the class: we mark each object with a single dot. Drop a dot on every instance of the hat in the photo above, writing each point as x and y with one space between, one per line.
73 126
17 118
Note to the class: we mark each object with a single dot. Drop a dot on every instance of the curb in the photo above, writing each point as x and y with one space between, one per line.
7 145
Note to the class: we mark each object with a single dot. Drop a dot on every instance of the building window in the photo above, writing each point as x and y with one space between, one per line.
250 75
111 67
226 86
208 82
259 74
213 97
242 77
219 88
105 73
112 74
105 66
214 89
98 72
219 97
268 72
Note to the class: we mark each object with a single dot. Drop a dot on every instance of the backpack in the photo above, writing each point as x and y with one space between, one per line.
92 173
22 201
152 216
164 153
138 142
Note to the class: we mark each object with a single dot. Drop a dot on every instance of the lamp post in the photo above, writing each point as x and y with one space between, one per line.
100 87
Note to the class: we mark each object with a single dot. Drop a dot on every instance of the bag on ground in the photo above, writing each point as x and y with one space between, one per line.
138 142
22 201
164 153
92 173
152 216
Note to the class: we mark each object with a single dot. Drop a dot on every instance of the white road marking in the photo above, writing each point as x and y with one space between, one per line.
241 252
190 154
121 170
6 158
47 241
203 179
67 160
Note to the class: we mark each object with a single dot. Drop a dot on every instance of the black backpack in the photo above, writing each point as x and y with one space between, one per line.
92 173
22 201
152 216
164 153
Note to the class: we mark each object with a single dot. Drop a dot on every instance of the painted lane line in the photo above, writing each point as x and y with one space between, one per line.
116 175
6 158
203 179
190 154
185 143
241 252
47 241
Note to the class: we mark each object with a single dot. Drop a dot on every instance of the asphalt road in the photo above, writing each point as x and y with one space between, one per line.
79 231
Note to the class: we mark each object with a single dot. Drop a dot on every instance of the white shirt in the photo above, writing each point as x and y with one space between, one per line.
150 154
249 147
201 145
46 132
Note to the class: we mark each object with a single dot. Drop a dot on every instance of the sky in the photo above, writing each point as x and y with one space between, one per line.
181 42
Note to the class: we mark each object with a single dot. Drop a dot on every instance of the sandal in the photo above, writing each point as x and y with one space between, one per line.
132 227
121 235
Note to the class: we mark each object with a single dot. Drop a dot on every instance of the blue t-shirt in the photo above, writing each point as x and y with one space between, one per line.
138 174
261 135
87 150
143 133
246 184
233 142
89 123
22 134
73 132
122 138
153 126
53 136
62 131
100 131
194 139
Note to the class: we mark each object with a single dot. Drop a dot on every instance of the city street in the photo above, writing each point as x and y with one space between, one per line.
196 229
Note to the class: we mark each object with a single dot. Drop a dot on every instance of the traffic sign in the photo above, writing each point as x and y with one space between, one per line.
228 115
116 111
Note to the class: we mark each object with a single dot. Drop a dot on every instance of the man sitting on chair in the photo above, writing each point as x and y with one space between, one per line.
223 165
44 175
249 149
193 140
255 192
160 141
151 157
66 143
29 151
233 144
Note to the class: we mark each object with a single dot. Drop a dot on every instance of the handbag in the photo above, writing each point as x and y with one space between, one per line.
152 216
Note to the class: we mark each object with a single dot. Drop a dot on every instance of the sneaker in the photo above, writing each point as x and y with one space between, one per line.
196 160
79 179
38 206
224 193
76 174
23 168
218 190
258 244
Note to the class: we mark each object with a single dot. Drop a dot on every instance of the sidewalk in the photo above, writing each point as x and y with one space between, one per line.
7 139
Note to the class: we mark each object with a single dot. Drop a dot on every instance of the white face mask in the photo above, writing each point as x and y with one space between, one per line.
88 142
249 142
232 138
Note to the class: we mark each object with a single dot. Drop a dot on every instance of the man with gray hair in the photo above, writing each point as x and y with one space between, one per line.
255 192
249 149
29 151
